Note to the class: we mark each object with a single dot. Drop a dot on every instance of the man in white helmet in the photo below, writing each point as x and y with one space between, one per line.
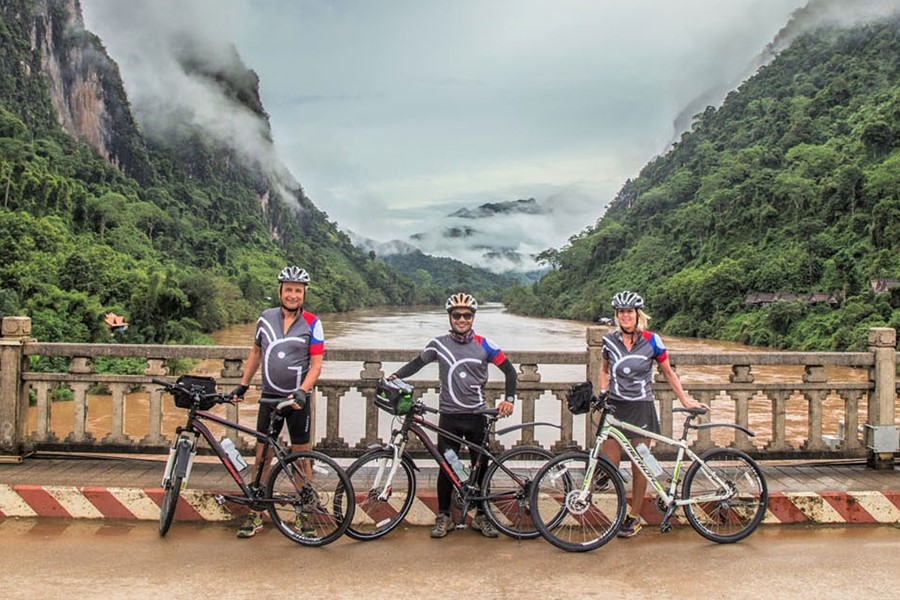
289 344
463 358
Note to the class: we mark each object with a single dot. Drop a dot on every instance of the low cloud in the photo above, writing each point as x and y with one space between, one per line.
180 67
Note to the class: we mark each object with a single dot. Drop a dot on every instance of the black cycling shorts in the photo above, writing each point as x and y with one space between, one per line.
637 412
298 422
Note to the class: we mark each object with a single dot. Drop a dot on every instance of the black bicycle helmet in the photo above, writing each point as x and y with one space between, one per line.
627 299
293 275
461 300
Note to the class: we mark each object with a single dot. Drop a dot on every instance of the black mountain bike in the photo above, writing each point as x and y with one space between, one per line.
384 479
305 494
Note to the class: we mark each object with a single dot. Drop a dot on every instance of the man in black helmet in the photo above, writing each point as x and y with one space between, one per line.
289 344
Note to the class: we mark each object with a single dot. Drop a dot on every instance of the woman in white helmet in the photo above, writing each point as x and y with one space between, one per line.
626 375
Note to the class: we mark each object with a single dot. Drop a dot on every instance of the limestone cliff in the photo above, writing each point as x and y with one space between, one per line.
84 86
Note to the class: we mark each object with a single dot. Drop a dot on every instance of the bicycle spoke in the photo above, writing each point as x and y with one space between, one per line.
734 501
313 503
574 516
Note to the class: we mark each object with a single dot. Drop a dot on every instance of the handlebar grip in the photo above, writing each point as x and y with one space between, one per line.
160 381
283 407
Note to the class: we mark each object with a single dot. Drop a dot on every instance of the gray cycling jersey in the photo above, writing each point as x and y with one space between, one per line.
463 370
285 356
631 371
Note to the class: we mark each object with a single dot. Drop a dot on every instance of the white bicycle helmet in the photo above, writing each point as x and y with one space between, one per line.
293 274
627 299
461 300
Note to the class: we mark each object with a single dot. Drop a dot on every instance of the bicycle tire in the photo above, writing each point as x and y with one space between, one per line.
585 524
731 520
375 518
507 505
169 502
320 511
172 487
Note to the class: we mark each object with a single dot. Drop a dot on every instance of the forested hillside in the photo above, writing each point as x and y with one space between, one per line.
178 234
792 185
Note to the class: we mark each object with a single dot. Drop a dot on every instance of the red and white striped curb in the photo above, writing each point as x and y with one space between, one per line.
72 502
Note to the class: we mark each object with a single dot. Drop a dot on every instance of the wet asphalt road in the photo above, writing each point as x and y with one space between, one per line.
55 558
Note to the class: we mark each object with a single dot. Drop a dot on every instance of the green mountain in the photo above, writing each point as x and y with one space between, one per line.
178 232
791 189
443 276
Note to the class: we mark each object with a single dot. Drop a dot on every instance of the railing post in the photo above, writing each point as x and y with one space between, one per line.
882 438
594 349
14 333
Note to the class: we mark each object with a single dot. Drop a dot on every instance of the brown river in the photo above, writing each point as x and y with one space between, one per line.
411 328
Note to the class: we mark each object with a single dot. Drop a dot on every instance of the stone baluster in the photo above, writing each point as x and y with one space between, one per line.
80 365
815 398
371 373
527 399
779 442
79 434
332 442
851 421
566 433
117 408
233 369
528 374
42 431
156 367
741 374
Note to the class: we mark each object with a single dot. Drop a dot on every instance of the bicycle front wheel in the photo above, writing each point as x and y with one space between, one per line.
312 498
169 501
731 513
574 513
380 507
507 494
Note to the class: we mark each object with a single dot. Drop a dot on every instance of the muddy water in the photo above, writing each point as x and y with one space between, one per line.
411 328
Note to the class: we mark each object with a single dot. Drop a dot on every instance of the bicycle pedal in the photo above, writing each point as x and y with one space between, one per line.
665 527
219 499
461 526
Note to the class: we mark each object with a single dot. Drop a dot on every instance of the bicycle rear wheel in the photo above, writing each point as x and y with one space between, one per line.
734 517
574 514
313 498
375 517
507 504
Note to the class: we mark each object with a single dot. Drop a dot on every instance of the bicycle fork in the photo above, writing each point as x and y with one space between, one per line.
180 461
385 492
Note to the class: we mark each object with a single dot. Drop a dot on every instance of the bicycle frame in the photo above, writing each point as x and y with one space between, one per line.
612 427
417 424
197 427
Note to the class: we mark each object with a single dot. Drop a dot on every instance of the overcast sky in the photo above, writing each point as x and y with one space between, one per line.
394 113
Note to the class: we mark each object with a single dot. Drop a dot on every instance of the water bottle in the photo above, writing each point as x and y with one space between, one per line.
649 459
456 464
233 455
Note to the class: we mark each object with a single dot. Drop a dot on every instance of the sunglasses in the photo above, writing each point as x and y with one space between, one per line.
468 316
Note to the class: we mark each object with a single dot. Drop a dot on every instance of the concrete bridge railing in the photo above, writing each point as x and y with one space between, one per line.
802 405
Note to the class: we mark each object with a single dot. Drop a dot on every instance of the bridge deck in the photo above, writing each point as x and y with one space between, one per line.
79 486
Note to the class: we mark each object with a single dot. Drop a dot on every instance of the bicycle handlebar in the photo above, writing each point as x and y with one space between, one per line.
170 387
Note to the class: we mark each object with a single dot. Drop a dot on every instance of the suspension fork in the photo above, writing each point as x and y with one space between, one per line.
398 445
